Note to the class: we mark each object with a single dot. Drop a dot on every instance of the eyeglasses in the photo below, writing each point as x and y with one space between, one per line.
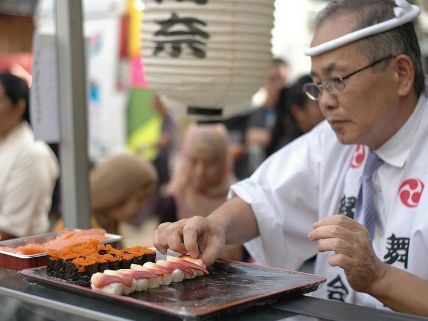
335 85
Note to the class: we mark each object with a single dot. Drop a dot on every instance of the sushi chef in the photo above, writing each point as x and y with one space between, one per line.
28 168
352 190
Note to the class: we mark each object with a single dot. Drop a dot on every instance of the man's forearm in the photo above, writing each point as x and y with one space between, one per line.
401 291
238 220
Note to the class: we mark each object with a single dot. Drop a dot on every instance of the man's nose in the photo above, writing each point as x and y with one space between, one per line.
327 101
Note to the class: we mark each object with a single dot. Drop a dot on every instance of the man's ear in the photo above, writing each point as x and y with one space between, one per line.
405 75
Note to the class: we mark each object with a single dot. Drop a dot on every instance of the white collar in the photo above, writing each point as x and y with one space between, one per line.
404 13
397 149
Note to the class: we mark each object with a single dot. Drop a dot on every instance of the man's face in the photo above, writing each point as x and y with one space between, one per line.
365 109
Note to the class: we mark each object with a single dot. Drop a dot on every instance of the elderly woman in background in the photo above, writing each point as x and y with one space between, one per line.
28 169
201 177
119 188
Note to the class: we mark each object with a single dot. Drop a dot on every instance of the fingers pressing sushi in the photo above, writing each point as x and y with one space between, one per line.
193 236
170 236
201 235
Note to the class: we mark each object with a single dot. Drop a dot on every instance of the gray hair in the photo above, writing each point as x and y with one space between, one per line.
400 40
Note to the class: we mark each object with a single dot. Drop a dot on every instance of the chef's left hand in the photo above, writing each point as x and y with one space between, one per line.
353 250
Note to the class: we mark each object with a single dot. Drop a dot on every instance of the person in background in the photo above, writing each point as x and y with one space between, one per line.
119 187
261 122
236 127
28 168
165 143
296 115
163 146
202 177
353 190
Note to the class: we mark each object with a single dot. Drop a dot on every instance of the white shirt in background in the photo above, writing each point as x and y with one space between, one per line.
28 171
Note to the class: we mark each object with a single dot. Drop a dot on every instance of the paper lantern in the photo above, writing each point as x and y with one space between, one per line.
211 55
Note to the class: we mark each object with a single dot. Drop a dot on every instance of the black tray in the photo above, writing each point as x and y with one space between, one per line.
229 285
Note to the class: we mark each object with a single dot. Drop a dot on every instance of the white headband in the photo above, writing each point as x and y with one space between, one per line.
404 13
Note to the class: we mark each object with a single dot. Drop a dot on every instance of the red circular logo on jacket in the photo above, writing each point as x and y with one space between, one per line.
359 156
410 192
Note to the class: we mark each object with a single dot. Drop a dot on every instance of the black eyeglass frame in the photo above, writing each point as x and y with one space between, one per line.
321 87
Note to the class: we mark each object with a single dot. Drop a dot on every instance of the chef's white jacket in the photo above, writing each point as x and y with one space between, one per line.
315 176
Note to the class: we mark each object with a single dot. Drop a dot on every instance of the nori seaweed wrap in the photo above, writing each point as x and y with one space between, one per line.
77 264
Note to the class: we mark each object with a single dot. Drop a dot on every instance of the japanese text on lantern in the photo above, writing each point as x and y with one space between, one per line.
178 31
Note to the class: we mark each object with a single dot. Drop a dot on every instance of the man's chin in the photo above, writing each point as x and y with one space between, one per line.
345 139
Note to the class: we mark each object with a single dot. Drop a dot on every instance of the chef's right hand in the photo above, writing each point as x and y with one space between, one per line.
195 236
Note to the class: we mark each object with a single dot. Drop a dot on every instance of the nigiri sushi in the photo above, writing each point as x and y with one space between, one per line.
128 287
141 278
196 265
165 275
177 268
148 276
109 283
153 282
